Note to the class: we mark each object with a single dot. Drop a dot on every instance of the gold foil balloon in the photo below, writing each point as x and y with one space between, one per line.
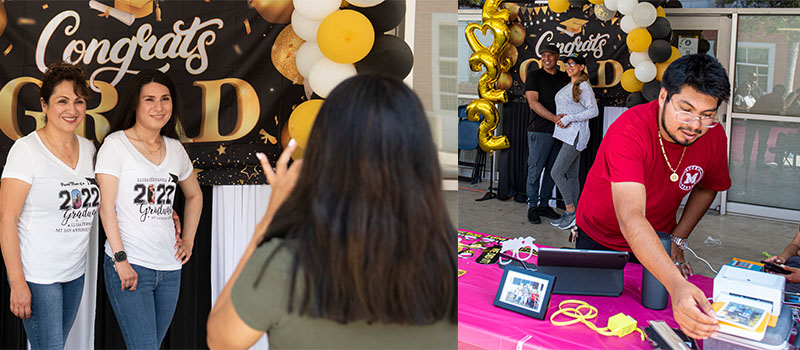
510 53
639 40
629 81
486 81
284 54
345 36
517 31
603 13
513 8
499 29
504 82
3 18
486 140
491 11
558 6
274 11
301 120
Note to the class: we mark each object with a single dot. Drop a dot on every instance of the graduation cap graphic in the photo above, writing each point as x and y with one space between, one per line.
572 26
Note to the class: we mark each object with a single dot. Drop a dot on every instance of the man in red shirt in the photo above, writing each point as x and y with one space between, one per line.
652 156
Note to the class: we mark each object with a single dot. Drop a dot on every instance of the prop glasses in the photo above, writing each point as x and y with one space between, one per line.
687 118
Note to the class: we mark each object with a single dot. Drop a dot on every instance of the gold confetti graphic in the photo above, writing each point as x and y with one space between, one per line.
276 120
267 137
221 149
45 6
8 50
247 26
237 49
252 173
24 21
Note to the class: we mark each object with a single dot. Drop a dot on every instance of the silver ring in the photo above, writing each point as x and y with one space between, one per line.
677 263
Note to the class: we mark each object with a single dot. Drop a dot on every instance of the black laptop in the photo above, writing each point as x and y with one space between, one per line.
583 272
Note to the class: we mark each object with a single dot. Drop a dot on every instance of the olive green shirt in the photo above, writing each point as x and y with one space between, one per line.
264 307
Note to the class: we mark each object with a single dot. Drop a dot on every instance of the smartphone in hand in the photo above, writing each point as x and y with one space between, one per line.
771 267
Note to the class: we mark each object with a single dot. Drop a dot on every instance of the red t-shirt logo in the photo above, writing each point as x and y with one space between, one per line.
691 176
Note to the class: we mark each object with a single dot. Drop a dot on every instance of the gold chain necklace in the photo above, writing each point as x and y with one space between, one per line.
53 147
674 177
145 143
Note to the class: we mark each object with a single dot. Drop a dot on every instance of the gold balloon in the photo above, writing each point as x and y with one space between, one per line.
485 89
491 11
660 12
675 55
499 29
517 31
660 68
639 40
558 6
345 36
511 53
513 8
285 137
302 119
284 53
3 18
486 140
274 11
597 2
629 81
504 82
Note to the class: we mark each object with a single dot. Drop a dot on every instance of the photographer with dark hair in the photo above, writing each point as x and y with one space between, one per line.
356 249
650 159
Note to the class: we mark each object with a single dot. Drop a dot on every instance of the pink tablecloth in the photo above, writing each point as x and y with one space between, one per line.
482 325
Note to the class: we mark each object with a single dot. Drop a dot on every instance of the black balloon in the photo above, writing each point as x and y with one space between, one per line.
703 46
384 16
634 98
659 51
650 90
675 4
660 29
578 3
389 55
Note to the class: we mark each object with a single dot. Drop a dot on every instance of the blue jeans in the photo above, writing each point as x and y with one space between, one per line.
53 311
542 152
144 314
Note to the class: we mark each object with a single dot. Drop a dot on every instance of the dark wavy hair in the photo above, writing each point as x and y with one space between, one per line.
62 71
125 114
699 71
366 221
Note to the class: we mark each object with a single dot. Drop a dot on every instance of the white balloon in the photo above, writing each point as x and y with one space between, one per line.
307 55
326 75
625 7
364 3
627 24
645 71
611 5
636 58
316 10
305 28
644 14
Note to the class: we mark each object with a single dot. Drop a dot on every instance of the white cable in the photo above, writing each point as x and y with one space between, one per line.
701 259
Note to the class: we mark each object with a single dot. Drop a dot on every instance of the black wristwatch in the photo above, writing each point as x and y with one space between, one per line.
120 256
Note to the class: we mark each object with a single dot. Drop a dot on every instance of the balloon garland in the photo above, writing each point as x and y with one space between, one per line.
329 41
496 61
648 34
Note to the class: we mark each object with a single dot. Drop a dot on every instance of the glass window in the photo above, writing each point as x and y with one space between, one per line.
767 78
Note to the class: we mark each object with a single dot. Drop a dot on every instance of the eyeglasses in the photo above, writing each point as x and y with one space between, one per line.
687 118
571 64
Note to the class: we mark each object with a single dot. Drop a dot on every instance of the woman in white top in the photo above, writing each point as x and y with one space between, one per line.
575 104
139 167
49 201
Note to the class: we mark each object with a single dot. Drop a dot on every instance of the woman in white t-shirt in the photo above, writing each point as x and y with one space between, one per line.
49 201
139 168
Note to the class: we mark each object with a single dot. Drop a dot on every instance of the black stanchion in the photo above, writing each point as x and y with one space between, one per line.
490 194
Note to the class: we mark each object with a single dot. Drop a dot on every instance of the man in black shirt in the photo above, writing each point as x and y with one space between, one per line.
541 87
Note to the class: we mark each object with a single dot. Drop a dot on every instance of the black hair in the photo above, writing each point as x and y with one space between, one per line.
125 116
700 72
62 71
366 221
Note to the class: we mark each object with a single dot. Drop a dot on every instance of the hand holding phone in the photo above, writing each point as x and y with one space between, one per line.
771 267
